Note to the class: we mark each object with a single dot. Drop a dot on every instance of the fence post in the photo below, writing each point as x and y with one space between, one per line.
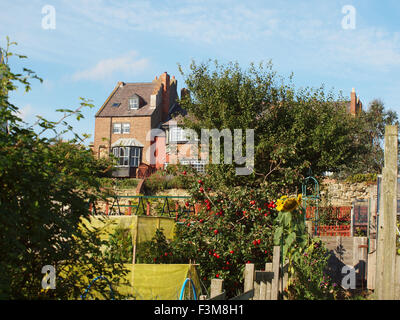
129 208
106 207
386 250
268 268
216 287
148 208
397 278
309 227
249 277
275 270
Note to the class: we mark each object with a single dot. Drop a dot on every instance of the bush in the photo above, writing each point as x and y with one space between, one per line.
362 177
162 180
311 281
119 248
119 183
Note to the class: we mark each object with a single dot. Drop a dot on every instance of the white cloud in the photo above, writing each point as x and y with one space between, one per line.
26 112
128 64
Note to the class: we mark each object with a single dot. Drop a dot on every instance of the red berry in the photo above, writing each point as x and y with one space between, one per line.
201 220
184 173
258 241
166 254
231 251
201 189
217 275
215 231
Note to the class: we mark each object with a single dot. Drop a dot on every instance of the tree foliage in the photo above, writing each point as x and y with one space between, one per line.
295 129
45 188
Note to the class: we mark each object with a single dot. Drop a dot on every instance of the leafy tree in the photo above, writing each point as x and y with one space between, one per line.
45 189
372 124
294 129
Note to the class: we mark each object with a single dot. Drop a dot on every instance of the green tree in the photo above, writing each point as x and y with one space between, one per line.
45 189
372 123
294 129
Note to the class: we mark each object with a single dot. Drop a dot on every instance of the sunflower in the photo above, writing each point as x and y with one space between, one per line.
288 204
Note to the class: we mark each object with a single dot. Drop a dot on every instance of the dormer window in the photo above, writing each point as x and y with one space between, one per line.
134 102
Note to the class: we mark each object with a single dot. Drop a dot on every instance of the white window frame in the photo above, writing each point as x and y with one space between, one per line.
115 127
177 134
122 155
198 165
134 103
135 156
124 128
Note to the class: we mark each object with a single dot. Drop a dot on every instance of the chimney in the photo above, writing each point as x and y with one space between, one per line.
353 102
164 78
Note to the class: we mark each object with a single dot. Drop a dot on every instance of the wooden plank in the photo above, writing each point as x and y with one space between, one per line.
268 268
245 296
221 296
285 279
386 249
263 290
263 276
397 278
216 287
248 277
371 267
256 290
275 270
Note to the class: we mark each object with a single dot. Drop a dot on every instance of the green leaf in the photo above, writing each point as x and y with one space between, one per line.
278 235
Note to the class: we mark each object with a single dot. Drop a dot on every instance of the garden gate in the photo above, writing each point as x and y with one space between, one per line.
311 197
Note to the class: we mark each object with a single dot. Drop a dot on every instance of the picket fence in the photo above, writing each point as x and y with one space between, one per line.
268 284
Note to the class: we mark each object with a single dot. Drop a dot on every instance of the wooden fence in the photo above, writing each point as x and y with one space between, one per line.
268 284
343 230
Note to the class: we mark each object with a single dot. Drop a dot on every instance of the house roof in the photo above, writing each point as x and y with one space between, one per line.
121 95
127 142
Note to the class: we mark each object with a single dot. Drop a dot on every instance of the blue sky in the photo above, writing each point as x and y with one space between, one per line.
97 43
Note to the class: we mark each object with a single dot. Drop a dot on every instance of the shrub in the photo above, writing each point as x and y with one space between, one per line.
362 177
119 247
119 183
311 281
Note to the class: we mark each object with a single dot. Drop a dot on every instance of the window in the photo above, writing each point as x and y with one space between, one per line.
198 165
126 127
134 103
136 156
124 154
177 134
117 128
115 105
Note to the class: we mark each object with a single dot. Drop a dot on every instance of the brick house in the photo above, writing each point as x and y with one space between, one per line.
124 121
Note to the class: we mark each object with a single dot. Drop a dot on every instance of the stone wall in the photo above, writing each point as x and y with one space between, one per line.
339 193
